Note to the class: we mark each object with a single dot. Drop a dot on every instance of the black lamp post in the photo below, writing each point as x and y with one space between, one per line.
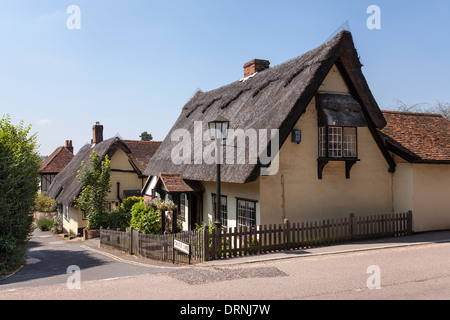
218 129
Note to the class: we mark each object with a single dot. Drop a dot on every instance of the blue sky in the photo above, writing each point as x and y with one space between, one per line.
134 64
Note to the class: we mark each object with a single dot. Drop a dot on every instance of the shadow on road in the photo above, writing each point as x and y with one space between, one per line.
52 261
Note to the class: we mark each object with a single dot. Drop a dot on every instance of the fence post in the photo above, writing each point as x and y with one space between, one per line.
352 226
410 223
286 232
206 243
140 243
131 240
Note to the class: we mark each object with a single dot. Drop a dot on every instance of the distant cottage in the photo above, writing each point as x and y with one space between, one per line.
129 158
351 158
54 164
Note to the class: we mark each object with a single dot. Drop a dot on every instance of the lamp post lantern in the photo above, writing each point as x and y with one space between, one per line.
218 129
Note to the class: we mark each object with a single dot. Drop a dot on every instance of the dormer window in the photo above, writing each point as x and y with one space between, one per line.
339 116
338 142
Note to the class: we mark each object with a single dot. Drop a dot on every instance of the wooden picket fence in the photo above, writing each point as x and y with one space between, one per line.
233 242
222 243
157 247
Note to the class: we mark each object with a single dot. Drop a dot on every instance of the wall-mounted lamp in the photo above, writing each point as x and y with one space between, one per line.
297 136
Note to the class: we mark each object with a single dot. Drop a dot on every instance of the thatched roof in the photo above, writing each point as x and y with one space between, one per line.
65 187
272 99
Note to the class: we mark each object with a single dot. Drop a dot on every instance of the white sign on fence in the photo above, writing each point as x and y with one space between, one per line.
181 246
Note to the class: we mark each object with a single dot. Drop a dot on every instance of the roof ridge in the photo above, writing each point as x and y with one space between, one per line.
409 113
275 67
48 160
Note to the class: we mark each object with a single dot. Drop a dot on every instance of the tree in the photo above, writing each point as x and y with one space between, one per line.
403 107
443 109
96 180
19 173
145 136
440 108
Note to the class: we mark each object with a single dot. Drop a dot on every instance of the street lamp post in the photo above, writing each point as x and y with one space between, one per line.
218 129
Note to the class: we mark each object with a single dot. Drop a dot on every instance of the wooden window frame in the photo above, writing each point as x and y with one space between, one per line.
183 201
84 216
66 213
327 142
246 218
324 154
223 216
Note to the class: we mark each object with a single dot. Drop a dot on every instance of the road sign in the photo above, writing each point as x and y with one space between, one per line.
182 247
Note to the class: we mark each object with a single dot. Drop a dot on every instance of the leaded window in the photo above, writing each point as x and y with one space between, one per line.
338 142
223 216
246 213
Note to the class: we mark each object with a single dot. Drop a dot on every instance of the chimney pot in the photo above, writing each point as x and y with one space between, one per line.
69 145
254 66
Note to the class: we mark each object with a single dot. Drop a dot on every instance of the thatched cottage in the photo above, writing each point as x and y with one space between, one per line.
338 153
129 159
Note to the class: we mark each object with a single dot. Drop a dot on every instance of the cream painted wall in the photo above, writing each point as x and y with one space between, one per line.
297 194
150 186
74 221
128 181
334 82
233 191
403 186
431 197
423 189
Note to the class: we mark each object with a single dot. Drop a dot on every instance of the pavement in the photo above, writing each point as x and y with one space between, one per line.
420 270
50 257
58 254
418 239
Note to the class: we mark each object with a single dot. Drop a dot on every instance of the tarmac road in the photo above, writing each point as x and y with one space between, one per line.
50 257
413 268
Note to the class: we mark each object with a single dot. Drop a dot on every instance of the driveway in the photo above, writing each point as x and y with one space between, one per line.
50 257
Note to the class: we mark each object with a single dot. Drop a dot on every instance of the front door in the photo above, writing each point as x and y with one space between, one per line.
195 210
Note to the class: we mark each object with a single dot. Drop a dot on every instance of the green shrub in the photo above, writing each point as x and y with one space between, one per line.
96 179
19 173
57 225
120 218
44 203
129 202
45 224
145 218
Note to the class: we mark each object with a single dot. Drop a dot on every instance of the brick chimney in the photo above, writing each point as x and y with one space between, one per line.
97 133
69 145
254 66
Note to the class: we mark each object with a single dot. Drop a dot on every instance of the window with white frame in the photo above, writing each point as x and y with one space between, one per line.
183 206
322 142
338 142
66 213
246 213
223 216
349 145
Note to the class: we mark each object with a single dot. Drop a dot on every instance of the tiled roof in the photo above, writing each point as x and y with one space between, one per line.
423 137
57 161
173 182
142 152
